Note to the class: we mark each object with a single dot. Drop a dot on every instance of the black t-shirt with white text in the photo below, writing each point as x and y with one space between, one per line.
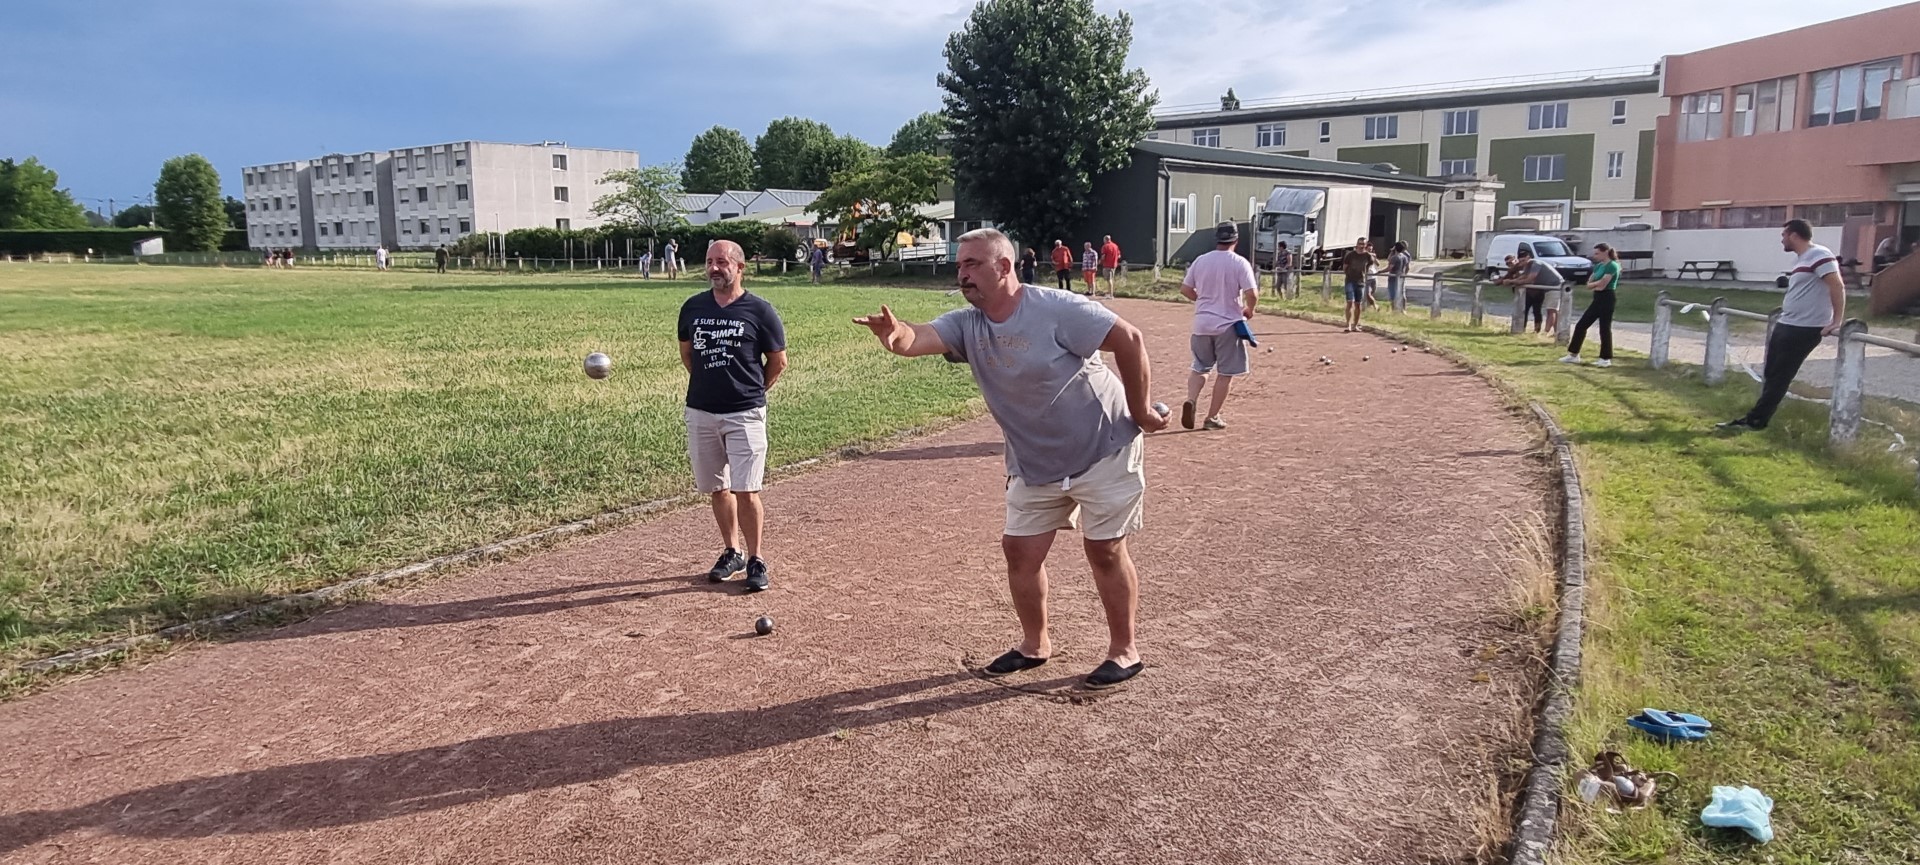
729 343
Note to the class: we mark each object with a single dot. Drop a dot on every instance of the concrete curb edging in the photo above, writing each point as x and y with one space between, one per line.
1539 807
471 555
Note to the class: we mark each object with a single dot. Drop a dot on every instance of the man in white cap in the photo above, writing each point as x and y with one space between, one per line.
1224 291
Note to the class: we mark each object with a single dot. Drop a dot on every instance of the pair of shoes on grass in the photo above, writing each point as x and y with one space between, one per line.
1107 675
1603 363
731 562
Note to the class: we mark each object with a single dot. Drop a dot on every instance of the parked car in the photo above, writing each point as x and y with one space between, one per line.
1552 250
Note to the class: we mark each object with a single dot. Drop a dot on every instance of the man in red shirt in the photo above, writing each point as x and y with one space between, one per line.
1109 261
1063 265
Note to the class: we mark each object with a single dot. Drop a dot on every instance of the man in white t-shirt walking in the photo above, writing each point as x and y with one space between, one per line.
1224 292
1813 309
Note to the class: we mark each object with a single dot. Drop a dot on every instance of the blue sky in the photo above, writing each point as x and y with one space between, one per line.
103 91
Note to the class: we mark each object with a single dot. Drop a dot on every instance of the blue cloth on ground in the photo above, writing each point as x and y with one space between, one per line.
1741 808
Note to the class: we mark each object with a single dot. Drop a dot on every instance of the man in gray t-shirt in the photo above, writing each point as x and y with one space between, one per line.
1073 431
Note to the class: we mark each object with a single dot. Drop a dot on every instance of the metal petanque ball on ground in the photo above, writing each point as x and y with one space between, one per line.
763 625
598 365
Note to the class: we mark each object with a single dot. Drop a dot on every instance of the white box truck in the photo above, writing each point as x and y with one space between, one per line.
1318 221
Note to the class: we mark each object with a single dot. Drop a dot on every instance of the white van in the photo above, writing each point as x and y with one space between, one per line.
1552 250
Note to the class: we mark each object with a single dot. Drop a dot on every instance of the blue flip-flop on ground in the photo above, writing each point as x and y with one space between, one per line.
1670 726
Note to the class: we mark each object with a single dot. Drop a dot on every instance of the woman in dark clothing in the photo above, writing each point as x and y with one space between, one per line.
1604 282
1029 266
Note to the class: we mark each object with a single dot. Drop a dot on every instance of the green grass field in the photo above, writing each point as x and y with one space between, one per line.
181 441
1758 580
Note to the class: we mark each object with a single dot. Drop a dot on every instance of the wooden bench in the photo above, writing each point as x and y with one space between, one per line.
1707 269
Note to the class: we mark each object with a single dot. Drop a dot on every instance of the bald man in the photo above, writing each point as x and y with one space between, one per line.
734 348
1072 426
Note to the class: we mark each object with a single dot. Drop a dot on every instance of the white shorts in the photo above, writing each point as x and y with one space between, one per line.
729 451
1105 502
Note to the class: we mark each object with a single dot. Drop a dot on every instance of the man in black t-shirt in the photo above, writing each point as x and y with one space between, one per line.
734 348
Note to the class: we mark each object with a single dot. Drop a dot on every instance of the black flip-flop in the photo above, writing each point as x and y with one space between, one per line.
1109 674
1012 662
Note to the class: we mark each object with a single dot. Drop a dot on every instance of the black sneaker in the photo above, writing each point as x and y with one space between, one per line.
756 575
730 563
1739 424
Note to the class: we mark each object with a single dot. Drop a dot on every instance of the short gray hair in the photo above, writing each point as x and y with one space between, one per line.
1000 241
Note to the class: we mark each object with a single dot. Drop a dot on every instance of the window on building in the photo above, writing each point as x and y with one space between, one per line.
1383 128
1326 131
1270 135
1451 167
440 194
459 158
1616 164
1753 217
443 226
560 161
440 162
276 202
1851 93
350 167
280 232
1619 112
420 163
563 224
293 231
333 172
1209 137
1154 135
560 193
1700 116
1551 214
466 226
1545 169
367 197
1177 216
460 192
1835 214
1689 219
404 199
406 227
323 229
336 200
246 178
1219 204
1463 122
1547 115
420 194
371 229
425 228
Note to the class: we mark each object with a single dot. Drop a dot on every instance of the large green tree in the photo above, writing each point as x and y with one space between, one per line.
1040 100
31 197
784 155
890 192
187 200
643 200
236 212
718 160
134 216
834 156
920 135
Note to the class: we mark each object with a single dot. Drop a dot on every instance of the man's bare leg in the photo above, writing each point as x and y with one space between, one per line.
1220 385
726 519
751 514
1027 580
1119 586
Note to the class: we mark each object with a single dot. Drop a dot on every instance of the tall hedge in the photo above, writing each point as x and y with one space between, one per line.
103 241
593 242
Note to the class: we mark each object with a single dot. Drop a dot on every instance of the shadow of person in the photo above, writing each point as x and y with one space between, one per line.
533 602
351 790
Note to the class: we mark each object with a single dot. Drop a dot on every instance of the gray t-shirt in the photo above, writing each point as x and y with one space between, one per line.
1060 407
1542 275
1399 263
1808 302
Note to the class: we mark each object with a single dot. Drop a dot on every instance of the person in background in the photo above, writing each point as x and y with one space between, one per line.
817 262
670 258
440 259
1814 308
1534 277
1109 262
1089 265
1399 262
1282 269
1605 281
1029 266
1224 290
380 256
1063 265
1358 269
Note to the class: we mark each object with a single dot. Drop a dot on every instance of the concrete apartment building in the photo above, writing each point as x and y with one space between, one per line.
278 209
1572 150
1820 123
421 197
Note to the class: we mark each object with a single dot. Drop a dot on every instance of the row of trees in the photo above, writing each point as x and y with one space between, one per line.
187 202
794 153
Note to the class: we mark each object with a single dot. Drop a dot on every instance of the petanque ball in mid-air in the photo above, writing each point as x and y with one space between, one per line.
598 365
763 625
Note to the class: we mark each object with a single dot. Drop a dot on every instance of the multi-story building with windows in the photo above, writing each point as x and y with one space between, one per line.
277 205
1572 149
1821 123
421 197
